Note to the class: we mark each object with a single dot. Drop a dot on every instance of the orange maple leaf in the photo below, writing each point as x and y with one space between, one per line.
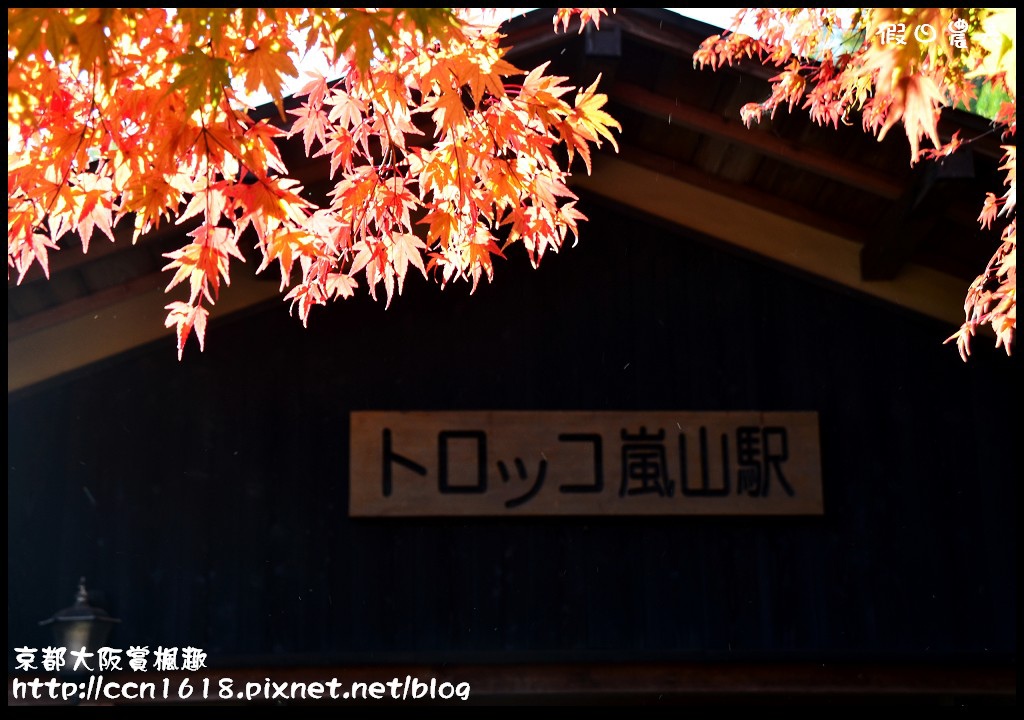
312 122
204 262
917 101
588 124
93 206
267 65
185 318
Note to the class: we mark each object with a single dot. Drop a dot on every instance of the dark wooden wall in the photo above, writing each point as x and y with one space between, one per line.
206 500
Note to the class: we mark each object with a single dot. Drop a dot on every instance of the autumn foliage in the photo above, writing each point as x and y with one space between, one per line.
442 153
877 68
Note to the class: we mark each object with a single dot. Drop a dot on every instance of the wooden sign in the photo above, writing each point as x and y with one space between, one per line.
511 463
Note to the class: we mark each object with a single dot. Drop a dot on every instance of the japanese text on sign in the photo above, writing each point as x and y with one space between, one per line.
583 463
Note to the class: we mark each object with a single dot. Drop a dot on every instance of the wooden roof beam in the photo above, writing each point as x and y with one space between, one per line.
709 123
789 242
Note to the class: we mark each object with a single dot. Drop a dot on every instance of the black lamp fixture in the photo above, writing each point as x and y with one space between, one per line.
81 625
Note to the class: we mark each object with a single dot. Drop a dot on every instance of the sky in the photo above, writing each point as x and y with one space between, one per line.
722 17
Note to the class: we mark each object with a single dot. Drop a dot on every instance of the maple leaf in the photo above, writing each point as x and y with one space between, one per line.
371 258
751 113
267 203
341 285
202 78
394 198
260 151
482 69
267 65
305 296
587 124
352 195
331 232
917 101
185 318
204 262
447 109
312 122
708 53
442 224
32 249
347 111
315 90
211 201
787 87
405 249
387 261
92 206
989 211
286 244
152 196
341 146
567 219
477 258
360 33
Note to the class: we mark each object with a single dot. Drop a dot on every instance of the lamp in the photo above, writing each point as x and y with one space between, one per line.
81 625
